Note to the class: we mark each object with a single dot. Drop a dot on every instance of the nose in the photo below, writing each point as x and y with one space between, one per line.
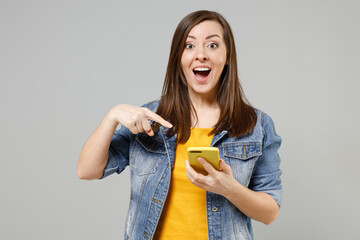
201 54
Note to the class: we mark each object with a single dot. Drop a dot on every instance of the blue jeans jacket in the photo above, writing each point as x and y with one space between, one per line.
253 158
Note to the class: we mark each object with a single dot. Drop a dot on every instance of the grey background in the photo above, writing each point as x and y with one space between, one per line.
64 64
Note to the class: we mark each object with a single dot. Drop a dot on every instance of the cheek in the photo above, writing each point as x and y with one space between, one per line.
185 66
222 60
220 63
185 60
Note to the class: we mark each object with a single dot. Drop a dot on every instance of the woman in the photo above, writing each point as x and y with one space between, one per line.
202 104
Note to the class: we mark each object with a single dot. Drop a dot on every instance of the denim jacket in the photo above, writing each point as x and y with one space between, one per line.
253 158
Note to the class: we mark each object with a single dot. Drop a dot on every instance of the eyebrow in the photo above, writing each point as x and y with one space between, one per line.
210 36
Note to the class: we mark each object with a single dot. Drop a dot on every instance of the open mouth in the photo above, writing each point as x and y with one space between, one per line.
201 73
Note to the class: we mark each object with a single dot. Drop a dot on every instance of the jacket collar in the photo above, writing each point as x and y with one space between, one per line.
217 137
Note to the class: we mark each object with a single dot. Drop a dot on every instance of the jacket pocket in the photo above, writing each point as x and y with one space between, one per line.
147 154
241 156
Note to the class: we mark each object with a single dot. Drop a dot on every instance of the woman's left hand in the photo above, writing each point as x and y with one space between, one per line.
219 182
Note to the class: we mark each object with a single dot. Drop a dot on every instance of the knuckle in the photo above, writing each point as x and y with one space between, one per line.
142 114
213 183
217 178
134 117
144 110
196 179
129 122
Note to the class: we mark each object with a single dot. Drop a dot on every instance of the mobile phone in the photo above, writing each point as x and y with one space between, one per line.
210 154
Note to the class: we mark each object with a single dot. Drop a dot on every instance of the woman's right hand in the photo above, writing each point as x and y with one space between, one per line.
95 153
136 119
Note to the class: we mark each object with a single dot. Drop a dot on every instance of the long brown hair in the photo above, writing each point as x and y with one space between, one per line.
236 114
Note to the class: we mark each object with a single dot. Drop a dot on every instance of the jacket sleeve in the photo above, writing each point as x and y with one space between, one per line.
119 149
266 172
118 152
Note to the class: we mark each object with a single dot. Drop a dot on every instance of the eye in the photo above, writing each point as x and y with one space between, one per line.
189 46
213 45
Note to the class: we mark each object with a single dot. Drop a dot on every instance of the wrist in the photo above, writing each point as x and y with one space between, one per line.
110 119
232 189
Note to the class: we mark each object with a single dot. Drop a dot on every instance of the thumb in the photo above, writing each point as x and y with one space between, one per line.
225 167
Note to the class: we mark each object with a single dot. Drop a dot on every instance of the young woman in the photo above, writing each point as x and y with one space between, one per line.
202 104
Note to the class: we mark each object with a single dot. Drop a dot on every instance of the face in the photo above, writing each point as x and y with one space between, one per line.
204 58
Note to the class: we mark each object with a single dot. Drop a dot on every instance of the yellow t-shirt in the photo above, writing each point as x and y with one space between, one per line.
184 213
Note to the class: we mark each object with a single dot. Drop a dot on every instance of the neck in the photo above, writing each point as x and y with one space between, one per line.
207 111
205 101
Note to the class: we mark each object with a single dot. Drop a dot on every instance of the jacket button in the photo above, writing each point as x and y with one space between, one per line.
214 209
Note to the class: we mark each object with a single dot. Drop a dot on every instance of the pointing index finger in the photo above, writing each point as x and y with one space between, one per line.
155 117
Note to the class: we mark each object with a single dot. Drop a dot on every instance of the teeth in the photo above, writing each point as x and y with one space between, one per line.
202 69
